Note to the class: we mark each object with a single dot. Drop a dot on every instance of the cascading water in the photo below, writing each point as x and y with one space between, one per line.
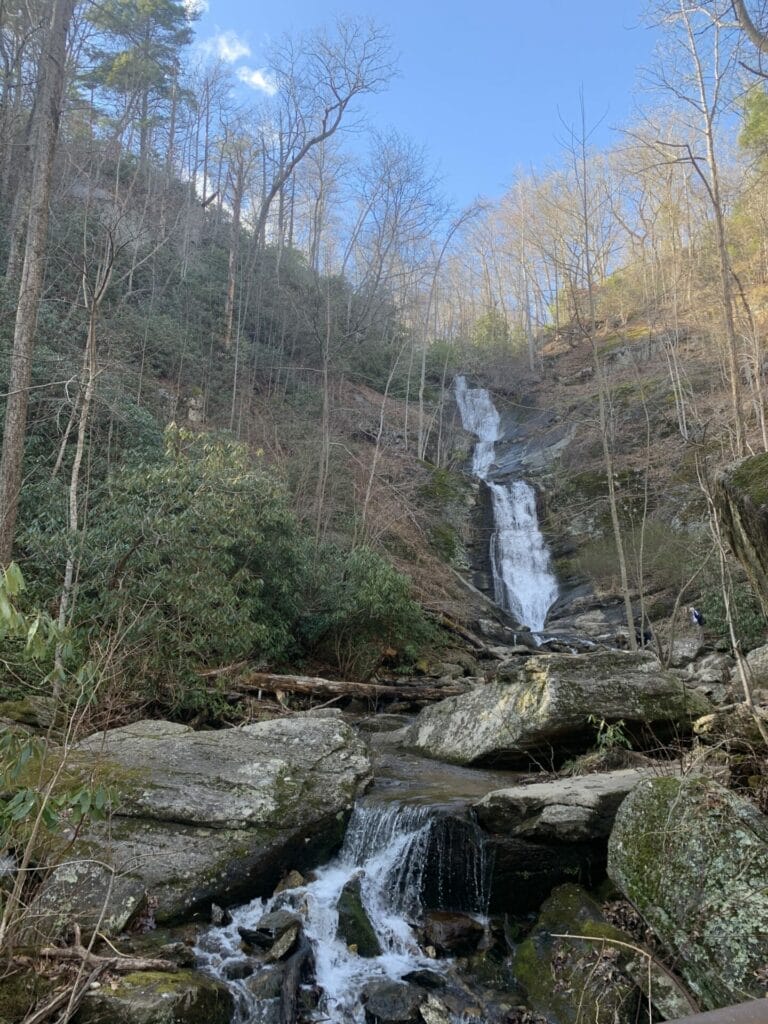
522 579
388 847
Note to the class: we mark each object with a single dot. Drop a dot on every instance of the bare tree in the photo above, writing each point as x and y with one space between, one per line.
316 79
700 37
756 35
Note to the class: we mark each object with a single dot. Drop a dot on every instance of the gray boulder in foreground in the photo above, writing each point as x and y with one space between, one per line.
205 816
566 810
544 705
692 857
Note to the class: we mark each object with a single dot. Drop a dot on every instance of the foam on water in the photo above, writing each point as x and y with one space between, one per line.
386 846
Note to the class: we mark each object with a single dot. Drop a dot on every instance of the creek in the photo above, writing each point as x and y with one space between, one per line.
410 846
404 857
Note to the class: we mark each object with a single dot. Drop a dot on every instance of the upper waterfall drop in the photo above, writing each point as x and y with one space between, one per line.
522 579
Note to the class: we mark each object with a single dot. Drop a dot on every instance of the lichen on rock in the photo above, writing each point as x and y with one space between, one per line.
692 856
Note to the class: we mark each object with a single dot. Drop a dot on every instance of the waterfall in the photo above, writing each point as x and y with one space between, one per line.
390 848
523 582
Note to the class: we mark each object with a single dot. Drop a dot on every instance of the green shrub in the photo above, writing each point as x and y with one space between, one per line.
748 620
361 608
195 560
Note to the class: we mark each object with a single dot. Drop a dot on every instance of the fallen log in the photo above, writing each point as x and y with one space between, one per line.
315 686
120 964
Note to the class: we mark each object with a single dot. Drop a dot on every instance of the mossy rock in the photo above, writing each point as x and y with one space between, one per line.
153 997
37 712
692 856
21 992
568 980
355 928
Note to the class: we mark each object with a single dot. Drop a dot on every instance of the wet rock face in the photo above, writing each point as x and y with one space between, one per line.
741 496
452 934
692 856
525 872
543 705
207 816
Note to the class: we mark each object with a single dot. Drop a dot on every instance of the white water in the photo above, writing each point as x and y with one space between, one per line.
523 582
386 845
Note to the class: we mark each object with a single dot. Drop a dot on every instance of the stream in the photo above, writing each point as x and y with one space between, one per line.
389 848
410 846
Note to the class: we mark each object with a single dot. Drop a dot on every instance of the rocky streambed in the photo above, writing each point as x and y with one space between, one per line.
434 869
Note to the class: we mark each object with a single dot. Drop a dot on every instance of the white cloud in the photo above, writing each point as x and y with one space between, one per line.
227 46
257 79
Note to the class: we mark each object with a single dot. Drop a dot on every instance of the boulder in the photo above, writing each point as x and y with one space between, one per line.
395 1001
571 980
206 816
434 1011
565 810
686 648
713 669
270 928
541 706
692 857
452 933
741 497
150 997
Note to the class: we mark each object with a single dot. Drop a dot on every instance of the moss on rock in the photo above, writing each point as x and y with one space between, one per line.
751 478
741 496
569 980
153 997
21 992
355 927
693 858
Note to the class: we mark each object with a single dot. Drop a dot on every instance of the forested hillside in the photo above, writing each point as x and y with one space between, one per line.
230 333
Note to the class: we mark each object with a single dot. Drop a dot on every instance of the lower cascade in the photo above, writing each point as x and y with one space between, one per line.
524 584
404 859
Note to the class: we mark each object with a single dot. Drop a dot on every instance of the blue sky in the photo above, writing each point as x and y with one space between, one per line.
480 83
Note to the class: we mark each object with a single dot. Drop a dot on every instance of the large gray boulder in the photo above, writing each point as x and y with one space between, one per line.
206 816
568 810
692 856
541 708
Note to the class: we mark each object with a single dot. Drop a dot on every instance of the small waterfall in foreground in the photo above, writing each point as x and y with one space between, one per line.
391 849
523 582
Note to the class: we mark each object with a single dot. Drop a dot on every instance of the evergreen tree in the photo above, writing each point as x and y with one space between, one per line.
137 58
